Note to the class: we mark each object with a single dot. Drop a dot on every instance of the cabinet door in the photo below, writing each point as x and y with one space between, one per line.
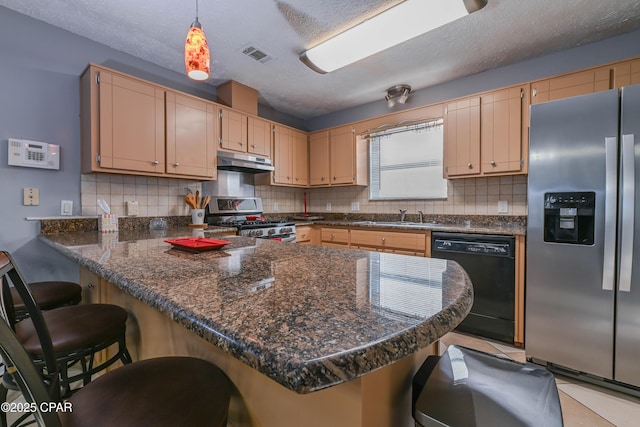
233 130
626 73
282 155
300 158
501 131
319 158
191 135
462 138
259 136
574 84
342 154
131 124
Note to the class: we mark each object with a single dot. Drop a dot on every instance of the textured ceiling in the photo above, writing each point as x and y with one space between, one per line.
504 32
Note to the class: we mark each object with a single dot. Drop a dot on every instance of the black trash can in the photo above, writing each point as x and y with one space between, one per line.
470 388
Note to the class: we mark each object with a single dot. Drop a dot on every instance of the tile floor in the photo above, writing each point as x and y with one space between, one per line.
582 404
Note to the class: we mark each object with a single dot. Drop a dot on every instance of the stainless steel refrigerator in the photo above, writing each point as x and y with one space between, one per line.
583 247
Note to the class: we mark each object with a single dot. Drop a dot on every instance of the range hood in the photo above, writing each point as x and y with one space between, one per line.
241 162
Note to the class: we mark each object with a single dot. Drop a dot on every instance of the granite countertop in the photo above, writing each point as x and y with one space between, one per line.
475 224
308 317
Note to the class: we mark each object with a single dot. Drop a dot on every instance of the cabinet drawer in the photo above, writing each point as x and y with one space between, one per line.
303 234
389 239
335 235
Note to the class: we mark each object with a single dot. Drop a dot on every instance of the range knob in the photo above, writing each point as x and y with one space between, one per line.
271 231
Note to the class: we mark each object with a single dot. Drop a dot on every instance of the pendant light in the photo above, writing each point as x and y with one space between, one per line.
196 52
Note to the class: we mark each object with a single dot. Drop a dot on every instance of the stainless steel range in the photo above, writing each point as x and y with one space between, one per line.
245 214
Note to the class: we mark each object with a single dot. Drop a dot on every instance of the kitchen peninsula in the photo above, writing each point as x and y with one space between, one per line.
308 335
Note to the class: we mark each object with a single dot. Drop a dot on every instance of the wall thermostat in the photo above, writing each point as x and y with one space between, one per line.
33 154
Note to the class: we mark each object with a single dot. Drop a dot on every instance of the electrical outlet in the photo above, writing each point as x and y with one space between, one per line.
328 206
275 206
31 197
503 206
66 207
355 206
133 208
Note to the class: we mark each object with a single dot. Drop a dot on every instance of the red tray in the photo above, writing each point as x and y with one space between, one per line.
197 244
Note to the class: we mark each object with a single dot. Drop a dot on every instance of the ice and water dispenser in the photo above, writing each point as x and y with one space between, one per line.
569 217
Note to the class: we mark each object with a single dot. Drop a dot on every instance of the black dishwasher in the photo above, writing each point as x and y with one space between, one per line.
489 260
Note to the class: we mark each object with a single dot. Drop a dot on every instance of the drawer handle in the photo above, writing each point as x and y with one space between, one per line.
90 285
176 164
155 162
469 165
493 163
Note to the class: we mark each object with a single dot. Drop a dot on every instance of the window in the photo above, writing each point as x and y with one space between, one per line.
406 162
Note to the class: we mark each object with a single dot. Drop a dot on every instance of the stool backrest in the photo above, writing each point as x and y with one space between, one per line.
10 274
19 364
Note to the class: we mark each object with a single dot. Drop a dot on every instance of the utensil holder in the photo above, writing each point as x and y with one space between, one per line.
197 216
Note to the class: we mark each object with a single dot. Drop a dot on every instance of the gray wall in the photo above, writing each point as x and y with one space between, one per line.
39 100
609 50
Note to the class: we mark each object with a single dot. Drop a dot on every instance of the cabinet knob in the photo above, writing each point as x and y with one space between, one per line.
155 162
493 163
91 285
334 177
176 164
253 145
322 178
469 165
382 239
333 236
297 178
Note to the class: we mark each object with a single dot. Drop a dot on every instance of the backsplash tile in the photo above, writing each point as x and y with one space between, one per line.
165 197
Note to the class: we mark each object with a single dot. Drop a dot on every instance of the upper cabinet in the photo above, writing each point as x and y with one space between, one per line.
462 138
123 125
574 84
338 157
626 73
243 133
191 127
290 159
503 131
487 134
127 127
319 158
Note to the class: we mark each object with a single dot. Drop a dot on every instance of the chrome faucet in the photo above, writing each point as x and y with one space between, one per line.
403 212
420 217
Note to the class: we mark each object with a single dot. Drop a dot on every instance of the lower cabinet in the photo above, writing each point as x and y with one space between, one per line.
304 234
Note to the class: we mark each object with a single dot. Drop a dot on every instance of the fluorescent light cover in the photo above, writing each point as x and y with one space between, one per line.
405 21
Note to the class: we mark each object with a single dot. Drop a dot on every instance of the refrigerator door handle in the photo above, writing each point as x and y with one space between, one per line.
611 196
628 213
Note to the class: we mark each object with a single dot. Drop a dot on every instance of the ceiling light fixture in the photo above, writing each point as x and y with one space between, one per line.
399 94
400 23
196 51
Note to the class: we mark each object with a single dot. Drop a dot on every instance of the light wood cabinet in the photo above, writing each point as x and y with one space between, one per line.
334 237
462 138
338 157
300 158
259 136
573 84
290 159
626 73
233 130
319 159
123 124
304 234
503 128
130 126
191 134
487 135
243 133
406 243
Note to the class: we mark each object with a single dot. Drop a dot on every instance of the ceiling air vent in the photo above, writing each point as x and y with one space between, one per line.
256 53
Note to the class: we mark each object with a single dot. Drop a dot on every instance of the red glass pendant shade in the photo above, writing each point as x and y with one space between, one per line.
196 53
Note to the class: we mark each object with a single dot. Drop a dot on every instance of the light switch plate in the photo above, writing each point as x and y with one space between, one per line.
328 206
66 207
503 206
